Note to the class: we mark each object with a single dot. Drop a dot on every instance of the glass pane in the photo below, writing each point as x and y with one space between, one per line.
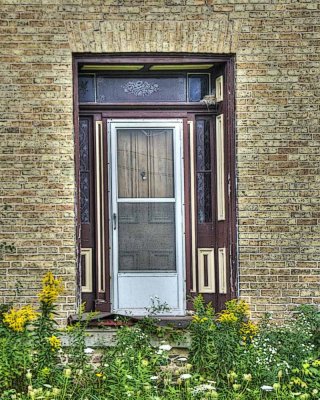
203 145
85 197
86 89
204 197
145 163
84 171
203 151
198 86
141 89
147 237
84 144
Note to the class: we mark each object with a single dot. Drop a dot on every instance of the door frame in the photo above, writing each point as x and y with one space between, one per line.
102 112
177 125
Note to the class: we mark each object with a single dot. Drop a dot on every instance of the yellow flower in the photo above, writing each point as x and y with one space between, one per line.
67 372
51 289
199 320
17 319
227 317
239 307
99 375
55 342
248 329
45 371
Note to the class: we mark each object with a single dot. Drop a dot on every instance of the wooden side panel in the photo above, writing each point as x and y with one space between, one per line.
87 210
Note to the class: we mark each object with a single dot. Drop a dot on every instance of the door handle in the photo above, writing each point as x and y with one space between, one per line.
114 221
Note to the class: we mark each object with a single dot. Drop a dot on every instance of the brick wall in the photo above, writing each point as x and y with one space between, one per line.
277 47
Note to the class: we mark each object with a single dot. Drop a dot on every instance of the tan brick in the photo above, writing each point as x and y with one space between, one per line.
277 124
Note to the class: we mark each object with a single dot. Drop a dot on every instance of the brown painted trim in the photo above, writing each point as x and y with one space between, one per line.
132 114
187 211
107 297
189 107
144 114
77 181
152 58
230 72
102 302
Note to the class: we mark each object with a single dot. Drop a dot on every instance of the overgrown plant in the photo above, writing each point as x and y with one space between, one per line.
46 337
231 358
16 346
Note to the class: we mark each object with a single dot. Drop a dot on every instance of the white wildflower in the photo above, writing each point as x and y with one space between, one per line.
203 388
267 388
185 376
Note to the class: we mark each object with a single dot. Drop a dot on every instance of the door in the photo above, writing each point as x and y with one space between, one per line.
147 249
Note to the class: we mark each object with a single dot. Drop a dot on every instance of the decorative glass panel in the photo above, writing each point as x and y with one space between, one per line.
86 87
204 197
198 85
84 171
84 144
145 163
147 237
141 89
203 148
84 197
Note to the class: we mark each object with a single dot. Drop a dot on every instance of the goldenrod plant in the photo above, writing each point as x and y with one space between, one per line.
231 357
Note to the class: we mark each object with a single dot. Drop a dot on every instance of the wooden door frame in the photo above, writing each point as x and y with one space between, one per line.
184 111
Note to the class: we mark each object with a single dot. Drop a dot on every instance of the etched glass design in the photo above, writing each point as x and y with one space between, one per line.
141 89
204 197
86 89
198 86
203 152
84 170
147 237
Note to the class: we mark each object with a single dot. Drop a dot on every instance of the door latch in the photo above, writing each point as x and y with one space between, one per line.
114 221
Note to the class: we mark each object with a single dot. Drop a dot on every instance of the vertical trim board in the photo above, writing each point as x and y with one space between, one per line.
222 270
220 169
219 88
100 207
192 205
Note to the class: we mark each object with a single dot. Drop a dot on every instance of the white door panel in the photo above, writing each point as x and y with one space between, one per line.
147 246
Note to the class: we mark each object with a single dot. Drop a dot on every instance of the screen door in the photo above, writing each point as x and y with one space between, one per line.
147 215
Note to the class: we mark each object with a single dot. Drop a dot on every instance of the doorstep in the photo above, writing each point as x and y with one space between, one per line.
102 328
116 320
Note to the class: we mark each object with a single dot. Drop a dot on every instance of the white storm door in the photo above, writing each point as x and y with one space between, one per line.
147 215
